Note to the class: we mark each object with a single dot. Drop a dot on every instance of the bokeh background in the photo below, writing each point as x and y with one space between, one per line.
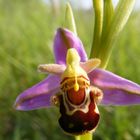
27 29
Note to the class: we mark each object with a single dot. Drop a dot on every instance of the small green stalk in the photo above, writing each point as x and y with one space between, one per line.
105 14
69 22
98 9
108 14
87 136
77 138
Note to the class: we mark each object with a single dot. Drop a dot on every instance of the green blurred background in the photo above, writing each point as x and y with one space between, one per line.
27 30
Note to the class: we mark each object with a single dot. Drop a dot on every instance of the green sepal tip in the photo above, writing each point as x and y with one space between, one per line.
69 22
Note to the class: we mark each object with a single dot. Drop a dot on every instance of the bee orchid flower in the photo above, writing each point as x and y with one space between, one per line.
76 85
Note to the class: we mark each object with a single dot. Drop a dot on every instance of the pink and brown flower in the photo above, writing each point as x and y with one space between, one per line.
76 86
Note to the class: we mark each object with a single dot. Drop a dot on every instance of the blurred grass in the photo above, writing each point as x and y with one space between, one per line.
26 37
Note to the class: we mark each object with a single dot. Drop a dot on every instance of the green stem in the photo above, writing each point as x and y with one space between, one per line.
77 138
98 9
87 136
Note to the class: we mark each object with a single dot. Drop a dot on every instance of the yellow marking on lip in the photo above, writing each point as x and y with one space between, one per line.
76 85
70 83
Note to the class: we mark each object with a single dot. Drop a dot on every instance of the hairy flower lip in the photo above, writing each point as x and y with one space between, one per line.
117 90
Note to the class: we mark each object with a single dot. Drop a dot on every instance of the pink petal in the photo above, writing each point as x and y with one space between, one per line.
39 95
65 39
117 90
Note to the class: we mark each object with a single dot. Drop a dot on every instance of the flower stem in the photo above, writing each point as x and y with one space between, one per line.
87 136
77 137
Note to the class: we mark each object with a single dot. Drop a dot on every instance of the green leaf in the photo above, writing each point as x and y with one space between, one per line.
121 15
69 22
